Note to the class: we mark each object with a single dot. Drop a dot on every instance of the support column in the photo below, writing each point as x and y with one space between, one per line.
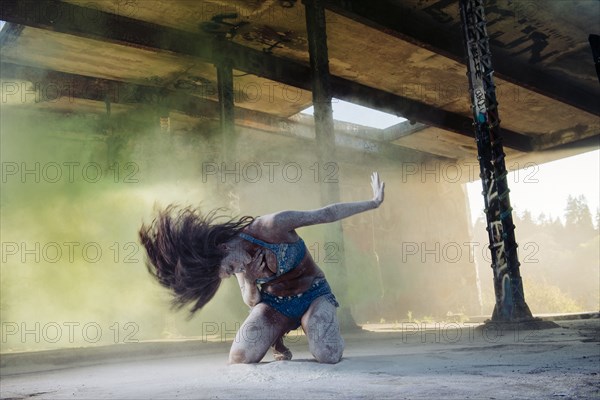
226 190
508 287
226 109
325 143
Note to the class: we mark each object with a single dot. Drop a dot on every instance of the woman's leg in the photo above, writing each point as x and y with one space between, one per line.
322 328
258 332
281 351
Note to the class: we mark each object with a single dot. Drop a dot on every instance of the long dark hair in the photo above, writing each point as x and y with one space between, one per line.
184 254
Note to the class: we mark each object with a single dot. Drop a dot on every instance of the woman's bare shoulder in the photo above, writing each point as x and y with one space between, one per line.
265 228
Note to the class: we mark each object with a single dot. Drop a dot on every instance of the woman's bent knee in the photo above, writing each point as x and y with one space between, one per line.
329 354
329 351
243 356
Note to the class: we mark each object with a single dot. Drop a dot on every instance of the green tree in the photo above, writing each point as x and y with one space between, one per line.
542 219
578 220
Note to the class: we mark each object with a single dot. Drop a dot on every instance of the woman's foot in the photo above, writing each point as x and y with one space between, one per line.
280 351
282 356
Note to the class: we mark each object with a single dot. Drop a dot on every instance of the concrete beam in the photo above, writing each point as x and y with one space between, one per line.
401 130
61 86
80 21
395 18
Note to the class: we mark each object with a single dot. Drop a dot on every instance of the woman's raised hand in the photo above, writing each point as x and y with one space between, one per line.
378 188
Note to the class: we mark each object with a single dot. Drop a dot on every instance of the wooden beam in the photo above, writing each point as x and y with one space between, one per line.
55 86
80 21
428 115
396 19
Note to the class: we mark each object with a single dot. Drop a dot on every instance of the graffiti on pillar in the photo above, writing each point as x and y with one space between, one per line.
498 248
503 246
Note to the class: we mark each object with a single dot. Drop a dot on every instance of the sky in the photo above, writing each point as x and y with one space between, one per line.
545 188
355 114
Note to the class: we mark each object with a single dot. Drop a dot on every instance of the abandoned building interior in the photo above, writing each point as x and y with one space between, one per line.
112 107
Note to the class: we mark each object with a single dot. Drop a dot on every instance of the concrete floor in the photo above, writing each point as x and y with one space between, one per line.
449 361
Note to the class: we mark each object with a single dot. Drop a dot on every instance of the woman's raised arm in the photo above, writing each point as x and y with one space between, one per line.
290 220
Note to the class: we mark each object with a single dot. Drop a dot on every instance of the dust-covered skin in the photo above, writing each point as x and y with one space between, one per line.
280 351
322 329
265 326
259 331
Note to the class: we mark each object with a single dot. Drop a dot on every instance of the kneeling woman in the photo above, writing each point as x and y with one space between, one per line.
190 254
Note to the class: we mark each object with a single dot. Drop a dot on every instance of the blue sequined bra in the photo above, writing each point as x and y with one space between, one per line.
288 255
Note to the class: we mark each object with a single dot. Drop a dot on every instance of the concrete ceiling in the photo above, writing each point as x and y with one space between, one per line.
404 57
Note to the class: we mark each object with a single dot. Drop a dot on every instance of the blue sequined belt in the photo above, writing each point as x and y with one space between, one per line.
295 306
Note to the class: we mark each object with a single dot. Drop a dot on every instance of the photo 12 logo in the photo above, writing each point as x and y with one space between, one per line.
25 92
70 252
454 252
269 171
68 172
454 332
69 331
